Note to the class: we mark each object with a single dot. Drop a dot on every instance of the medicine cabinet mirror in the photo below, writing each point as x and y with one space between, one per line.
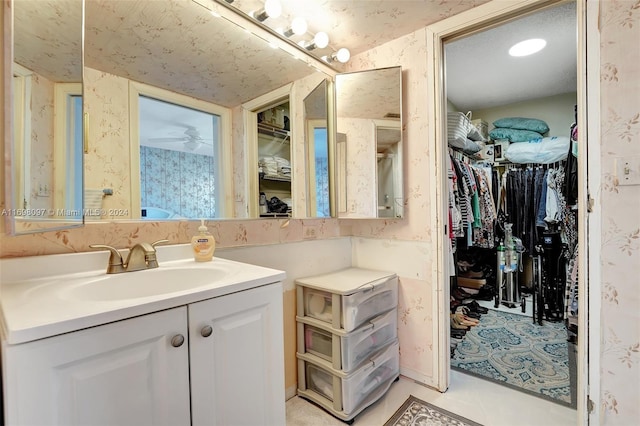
181 47
369 144
47 144
317 149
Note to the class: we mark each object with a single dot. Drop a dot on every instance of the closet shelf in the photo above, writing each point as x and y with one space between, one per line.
269 130
276 178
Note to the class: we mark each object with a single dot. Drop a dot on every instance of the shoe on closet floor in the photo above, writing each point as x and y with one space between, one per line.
457 333
474 306
468 312
461 319
460 294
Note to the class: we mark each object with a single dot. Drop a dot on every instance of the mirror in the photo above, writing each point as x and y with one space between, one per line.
47 148
369 144
180 48
317 148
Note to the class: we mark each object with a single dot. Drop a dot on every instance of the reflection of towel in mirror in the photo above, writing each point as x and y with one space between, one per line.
93 203
275 166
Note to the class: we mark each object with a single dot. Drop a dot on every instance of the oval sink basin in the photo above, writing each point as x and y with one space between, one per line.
147 283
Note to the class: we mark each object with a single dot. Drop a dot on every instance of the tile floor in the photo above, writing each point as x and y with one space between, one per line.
479 400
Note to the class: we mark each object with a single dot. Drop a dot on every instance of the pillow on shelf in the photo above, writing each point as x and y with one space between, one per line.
514 135
521 123
540 151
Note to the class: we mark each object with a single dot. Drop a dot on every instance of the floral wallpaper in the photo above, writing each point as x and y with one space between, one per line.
208 58
42 118
165 176
62 29
620 139
361 194
415 322
106 165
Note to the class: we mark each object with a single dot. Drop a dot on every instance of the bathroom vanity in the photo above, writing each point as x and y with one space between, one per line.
185 343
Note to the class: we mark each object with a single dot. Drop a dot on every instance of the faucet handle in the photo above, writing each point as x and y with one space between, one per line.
155 243
152 261
115 258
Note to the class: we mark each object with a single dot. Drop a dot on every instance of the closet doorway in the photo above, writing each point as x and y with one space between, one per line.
486 260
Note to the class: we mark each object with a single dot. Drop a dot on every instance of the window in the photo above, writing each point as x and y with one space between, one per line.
180 147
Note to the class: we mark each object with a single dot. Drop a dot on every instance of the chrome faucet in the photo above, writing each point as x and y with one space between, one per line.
141 256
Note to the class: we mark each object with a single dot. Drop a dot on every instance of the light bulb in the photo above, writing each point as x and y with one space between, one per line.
273 8
321 40
343 55
299 26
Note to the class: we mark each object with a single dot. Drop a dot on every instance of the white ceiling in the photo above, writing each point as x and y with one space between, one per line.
481 74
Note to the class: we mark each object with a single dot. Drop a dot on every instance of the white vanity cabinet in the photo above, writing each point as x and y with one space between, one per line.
237 359
123 373
218 361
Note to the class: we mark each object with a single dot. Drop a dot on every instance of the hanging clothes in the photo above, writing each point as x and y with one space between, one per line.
471 200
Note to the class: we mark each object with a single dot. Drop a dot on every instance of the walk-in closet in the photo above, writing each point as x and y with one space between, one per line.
512 197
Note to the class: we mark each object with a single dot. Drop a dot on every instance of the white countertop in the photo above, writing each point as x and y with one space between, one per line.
35 302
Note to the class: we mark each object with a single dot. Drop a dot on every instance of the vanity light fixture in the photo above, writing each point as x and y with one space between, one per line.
271 9
342 55
527 47
298 27
320 41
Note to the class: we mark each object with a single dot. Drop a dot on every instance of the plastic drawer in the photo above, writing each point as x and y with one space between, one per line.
360 344
346 351
318 304
356 305
346 393
318 342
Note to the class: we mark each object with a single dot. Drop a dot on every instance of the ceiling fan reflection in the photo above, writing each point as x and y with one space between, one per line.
191 140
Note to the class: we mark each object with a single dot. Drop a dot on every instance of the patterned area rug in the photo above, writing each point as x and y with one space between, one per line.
512 350
416 412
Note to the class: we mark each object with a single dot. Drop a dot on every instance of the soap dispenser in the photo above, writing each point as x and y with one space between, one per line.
203 244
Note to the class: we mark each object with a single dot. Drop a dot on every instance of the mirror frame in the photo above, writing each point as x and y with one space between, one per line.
346 208
226 159
14 223
310 144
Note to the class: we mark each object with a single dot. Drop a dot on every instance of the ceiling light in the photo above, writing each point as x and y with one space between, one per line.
320 41
298 27
271 9
342 55
527 47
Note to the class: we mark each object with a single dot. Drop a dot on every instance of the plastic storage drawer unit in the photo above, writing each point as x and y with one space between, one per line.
345 395
346 351
359 295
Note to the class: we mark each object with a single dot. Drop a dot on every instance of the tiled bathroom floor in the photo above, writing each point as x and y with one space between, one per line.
479 400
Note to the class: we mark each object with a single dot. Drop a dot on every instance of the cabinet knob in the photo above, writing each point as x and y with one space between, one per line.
177 340
206 331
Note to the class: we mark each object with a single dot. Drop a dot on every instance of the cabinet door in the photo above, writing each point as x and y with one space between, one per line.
123 373
237 372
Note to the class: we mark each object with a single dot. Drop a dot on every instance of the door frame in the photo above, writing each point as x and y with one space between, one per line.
481 18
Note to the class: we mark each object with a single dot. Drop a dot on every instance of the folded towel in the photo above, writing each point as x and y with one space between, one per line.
93 203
